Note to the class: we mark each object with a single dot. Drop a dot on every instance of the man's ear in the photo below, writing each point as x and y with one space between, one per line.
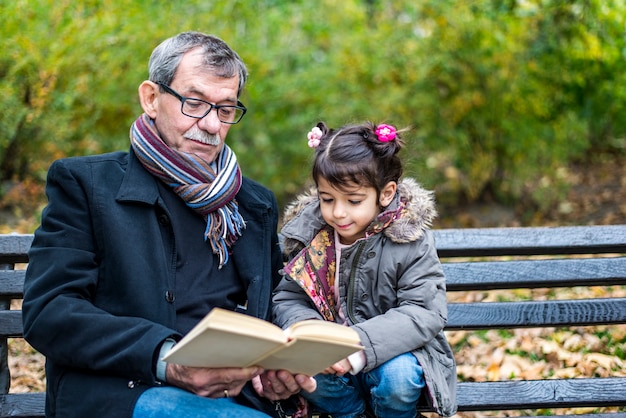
149 98
387 193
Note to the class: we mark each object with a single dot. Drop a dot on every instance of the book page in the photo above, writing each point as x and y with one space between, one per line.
324 330
308 356
226 339
314 346
229 321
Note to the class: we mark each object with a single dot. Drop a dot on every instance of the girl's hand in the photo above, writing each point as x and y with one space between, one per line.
280 384
340 368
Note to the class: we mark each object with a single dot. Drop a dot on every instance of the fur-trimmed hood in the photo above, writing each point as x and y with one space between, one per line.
303 219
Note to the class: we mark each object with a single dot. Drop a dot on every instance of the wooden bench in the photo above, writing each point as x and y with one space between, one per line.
13 251
506 258
474 260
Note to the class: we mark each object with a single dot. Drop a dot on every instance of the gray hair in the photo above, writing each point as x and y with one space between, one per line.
218 57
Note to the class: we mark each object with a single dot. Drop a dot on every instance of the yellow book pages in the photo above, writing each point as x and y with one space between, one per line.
309 355
229 339
226 339
324 330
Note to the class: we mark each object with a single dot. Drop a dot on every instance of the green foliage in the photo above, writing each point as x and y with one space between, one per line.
500 96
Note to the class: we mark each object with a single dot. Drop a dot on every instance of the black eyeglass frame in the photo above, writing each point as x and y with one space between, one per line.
183 99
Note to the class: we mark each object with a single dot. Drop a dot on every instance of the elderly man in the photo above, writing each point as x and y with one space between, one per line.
134 248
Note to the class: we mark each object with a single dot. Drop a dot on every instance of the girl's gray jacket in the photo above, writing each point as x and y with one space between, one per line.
392 289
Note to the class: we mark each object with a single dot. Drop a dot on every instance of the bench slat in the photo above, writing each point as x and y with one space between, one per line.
472 242
14 248
490 275
11 324
12 283
539 394
23 405
489 315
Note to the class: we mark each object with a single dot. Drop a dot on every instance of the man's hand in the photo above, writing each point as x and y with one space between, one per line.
210 383
280 384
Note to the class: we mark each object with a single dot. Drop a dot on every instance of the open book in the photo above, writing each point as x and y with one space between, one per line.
229 339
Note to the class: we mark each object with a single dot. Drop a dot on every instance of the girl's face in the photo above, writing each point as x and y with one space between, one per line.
351 210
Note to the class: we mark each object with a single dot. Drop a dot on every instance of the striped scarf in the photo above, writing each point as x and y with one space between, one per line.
208 189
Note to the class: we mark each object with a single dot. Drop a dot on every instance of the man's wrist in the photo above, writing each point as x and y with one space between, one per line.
162 365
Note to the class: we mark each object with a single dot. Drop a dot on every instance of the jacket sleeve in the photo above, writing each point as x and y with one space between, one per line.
64 312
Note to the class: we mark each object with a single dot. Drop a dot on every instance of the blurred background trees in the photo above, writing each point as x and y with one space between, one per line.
502 96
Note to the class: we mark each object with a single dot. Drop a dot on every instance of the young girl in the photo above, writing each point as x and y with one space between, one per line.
361 253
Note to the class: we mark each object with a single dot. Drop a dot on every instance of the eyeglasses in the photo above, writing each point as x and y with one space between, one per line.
196 108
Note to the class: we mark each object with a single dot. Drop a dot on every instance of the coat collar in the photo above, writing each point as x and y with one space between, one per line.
138 184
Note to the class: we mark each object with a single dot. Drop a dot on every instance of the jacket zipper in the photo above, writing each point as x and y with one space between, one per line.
351 284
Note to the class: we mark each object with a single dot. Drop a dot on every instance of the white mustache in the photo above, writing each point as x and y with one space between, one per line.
198 135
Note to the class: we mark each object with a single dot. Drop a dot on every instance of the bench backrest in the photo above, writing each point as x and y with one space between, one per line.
535 258
473 261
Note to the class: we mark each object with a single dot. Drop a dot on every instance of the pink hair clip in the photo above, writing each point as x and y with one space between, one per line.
314 137
385 133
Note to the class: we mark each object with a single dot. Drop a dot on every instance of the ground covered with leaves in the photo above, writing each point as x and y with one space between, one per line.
597 196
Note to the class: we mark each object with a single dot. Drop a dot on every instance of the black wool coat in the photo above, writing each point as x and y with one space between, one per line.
98 289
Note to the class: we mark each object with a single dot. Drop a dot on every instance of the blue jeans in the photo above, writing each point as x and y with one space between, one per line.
172 402
391 390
